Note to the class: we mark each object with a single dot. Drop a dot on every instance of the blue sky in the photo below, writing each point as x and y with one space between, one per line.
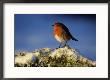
34 31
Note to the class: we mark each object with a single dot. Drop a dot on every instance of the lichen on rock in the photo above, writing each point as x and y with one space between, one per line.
47 57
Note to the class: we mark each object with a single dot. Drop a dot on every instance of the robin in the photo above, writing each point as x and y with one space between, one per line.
62 34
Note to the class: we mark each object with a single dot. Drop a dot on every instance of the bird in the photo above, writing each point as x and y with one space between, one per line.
62 34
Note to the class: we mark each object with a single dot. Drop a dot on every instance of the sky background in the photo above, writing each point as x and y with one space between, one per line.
34 31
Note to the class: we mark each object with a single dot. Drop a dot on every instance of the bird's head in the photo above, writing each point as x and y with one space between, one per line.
57 24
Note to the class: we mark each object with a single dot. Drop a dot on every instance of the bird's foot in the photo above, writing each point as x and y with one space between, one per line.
64 45
58 47
67 46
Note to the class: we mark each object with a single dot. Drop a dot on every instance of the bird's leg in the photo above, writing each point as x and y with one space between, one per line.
65 43
60 45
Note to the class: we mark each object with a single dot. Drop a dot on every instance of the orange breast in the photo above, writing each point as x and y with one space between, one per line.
58 31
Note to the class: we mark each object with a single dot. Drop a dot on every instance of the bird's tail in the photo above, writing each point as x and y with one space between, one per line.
74 39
